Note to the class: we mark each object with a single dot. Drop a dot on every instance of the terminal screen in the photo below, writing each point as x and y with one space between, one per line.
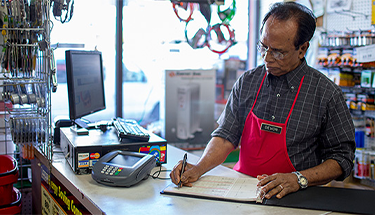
124 160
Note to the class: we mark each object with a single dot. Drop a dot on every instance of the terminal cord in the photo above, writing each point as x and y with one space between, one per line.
156 174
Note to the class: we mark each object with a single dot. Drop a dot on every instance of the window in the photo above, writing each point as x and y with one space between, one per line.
92 26
154 40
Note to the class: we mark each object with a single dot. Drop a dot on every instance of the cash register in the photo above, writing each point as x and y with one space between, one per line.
84 143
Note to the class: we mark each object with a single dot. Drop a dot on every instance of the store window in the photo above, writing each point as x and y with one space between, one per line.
91 27
153 41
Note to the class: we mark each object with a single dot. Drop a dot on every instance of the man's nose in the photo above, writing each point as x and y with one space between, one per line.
268 56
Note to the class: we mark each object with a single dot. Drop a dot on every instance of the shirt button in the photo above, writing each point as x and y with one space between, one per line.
278 95
272 117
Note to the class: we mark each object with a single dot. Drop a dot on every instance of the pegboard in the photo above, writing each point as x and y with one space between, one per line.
27 201
359 17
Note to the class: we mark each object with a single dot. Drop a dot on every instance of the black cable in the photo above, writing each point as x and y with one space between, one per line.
154 176
158 174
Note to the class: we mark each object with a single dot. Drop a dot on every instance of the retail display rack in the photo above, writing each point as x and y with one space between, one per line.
347 32
27 78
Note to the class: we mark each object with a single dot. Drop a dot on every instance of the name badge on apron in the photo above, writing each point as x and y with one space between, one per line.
271 128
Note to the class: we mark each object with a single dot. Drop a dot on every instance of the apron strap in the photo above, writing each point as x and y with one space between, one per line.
295 99
261 84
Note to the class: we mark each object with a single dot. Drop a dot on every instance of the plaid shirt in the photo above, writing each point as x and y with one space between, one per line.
319 128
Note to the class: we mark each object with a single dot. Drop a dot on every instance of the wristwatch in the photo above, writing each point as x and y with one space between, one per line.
302 180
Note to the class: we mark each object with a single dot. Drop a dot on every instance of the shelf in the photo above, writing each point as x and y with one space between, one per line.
357 90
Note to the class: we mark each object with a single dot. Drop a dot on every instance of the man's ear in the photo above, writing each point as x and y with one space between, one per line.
303 49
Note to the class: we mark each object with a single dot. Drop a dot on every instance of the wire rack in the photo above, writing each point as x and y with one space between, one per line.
358 17
27 67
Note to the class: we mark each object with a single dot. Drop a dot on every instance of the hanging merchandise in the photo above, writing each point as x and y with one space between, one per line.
220 37
226 15
26 73
60 7
199 34
183 10
198 40
196 33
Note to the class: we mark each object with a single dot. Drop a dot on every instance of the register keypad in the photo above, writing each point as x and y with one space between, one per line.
111 170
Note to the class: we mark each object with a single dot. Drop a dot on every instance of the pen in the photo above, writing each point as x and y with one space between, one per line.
183 169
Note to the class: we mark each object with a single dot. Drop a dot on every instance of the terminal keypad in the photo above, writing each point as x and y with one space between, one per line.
111 170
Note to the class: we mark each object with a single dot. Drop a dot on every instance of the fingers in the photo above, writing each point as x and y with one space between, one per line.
278 185
272 190
176 172
190 175
260 177
187 177
281 189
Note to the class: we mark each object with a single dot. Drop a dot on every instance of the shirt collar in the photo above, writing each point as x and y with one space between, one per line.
293 77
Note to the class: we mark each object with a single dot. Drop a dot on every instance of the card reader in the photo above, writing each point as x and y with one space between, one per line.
123 168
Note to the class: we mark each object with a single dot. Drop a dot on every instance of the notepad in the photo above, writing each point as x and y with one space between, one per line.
219 188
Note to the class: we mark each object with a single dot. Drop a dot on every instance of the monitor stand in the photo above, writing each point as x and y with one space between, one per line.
80 127
82 123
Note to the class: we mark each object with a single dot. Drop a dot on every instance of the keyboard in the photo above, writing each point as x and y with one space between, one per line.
130 131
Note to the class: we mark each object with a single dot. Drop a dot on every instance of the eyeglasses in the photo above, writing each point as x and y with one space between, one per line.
275 54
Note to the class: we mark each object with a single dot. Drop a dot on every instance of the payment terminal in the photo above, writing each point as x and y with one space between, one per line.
123 168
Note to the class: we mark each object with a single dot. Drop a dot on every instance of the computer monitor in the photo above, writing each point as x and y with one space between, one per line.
84 73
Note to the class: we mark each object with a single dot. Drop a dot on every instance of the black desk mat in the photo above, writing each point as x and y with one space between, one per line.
329 198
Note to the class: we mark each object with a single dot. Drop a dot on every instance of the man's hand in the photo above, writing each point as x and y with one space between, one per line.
279 184
215 153
189 176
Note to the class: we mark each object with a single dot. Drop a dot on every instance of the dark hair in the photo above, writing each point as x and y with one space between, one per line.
304 17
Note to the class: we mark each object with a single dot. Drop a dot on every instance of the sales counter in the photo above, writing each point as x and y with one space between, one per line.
77 194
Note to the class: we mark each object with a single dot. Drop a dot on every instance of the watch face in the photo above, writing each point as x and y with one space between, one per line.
302 180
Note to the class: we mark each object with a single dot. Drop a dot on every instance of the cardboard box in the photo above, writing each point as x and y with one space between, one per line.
189 106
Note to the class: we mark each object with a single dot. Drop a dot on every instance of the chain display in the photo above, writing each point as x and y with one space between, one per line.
218 37
183 10
226 15
27 75
217 31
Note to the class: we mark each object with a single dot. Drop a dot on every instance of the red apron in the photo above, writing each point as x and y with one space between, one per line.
263 145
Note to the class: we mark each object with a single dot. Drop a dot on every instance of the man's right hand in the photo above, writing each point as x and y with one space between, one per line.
190 175
214 154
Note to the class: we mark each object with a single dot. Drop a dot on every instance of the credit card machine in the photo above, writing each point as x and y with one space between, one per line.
123 168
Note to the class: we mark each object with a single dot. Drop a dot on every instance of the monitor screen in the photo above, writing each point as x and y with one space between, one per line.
84 73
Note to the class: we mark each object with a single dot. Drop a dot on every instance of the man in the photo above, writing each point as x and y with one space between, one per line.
292 121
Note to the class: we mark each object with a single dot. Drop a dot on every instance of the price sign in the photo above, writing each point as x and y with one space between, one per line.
366 54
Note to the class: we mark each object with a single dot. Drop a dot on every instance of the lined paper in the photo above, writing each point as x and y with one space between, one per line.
240 189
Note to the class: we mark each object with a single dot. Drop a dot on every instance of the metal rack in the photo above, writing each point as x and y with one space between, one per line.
27 68
356 22
357 18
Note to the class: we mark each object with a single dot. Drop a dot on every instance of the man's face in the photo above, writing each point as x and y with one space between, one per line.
278 38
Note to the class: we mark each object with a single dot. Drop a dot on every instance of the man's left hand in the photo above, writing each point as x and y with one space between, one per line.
279 184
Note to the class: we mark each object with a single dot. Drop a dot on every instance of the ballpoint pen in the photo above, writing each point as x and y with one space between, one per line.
183 169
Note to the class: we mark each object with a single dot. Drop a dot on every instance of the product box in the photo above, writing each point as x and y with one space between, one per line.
189 107
366 78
